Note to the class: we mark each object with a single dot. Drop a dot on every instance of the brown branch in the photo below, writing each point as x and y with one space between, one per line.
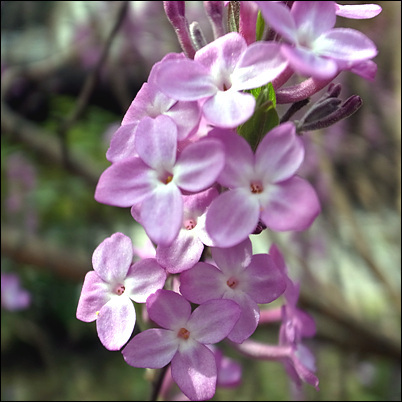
26 248
16 128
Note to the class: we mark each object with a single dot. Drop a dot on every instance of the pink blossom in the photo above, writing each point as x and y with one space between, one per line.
312 45
262 186
186 249
157 176
13 296
219 73
182 340
240 276
108 291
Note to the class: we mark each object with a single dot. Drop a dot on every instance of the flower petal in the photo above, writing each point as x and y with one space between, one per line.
185 80
152 348
113 257
279 18
239 159
125 183
182 254
228 109
156 142
261 63
232 217
95 294
345 44
313 18
144 278
115 322
248 320
222 55
201 283
194 371
187 116
234 259
122 144
279 154
307 63
213 320
168 309
162 214
199 165
265 282
293 205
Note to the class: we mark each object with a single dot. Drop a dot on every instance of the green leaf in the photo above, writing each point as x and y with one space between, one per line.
264 119
259 29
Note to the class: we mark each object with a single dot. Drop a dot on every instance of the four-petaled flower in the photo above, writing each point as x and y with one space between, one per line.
240 276
262 186
108 291
182 340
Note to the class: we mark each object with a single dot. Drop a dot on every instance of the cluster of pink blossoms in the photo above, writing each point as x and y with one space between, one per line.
204 162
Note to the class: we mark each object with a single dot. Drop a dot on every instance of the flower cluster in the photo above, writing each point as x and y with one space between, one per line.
203 161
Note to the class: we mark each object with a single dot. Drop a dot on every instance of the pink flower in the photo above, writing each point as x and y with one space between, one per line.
108 291
261 186
219 73
296 324
13 296
312 45
239 276
157 176
186 249
182 340
151 102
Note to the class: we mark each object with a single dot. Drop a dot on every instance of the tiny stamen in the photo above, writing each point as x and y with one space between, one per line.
256 187
190 224
120 290
232 282
183 333
169 179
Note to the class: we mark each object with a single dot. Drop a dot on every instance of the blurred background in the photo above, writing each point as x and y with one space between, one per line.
70 69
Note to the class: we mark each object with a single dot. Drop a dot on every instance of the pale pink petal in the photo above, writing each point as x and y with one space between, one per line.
261 63
194 371
199 165
307 63
125 183
232 217
222 55
182 254
293 205
149 101
187 116
122 144
95 293
345 44
278 17
156 142
358 11
168 309
249 317
162 214
144 278
115 322
153 348
265 282
313 18
201 283
234 259
213 320
228 109
184 80
239 159
113 257
279 154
